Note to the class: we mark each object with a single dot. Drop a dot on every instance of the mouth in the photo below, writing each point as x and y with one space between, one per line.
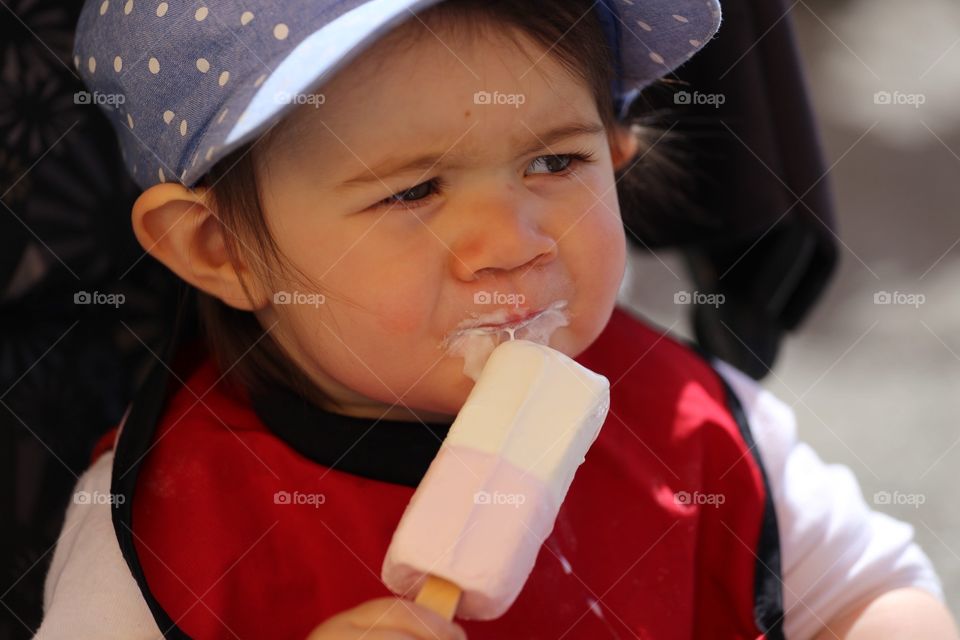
506 319
474 339
514 318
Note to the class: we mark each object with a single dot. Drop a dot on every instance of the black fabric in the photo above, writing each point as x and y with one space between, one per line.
67 370
778 248
388 450
756 222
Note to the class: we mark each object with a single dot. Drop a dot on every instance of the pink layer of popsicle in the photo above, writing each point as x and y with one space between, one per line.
478 521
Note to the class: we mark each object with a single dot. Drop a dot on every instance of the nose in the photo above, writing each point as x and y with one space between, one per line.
500 236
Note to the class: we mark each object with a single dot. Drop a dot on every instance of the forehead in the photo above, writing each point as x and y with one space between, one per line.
425 81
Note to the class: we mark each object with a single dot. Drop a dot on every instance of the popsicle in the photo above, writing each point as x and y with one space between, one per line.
470 535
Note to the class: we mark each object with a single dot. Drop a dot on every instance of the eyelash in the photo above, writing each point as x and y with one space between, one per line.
438 184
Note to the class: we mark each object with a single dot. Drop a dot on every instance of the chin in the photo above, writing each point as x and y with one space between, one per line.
445 390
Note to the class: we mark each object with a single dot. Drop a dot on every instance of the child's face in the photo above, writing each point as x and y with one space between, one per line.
507 218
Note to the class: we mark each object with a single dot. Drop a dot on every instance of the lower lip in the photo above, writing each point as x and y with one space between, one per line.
512 323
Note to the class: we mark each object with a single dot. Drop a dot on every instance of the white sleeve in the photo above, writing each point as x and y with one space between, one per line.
89 590
834 549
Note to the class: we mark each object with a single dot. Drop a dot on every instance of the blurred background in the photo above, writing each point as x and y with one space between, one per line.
875 383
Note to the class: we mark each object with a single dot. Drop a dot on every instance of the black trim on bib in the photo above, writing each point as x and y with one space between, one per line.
133 445
389 450
767 578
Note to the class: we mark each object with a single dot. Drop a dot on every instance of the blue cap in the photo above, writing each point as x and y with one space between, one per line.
185 83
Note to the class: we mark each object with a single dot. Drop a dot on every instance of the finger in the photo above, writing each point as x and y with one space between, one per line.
409 617
380 633
429 624
383 634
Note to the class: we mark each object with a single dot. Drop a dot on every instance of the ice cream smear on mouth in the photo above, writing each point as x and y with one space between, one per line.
476 338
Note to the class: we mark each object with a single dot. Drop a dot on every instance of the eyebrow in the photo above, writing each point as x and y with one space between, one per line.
424 162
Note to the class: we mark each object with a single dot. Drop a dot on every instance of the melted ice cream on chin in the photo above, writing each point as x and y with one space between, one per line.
476 344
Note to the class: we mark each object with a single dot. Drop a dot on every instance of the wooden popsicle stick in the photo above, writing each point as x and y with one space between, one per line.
439 595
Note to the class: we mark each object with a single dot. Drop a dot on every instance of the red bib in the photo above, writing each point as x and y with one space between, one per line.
667 531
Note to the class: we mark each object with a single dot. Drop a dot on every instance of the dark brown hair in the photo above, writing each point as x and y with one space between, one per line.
570 31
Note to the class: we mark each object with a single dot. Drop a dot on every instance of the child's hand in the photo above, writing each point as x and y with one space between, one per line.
388 619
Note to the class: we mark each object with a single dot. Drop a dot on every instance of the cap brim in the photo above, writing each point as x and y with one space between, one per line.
653 41
302 71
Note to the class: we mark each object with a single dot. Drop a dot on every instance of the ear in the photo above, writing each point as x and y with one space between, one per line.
176 226
624 146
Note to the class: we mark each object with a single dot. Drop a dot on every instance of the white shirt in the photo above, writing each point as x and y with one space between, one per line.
834 549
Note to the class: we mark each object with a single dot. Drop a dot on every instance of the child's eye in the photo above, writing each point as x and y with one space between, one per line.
420 194
414 196
558 164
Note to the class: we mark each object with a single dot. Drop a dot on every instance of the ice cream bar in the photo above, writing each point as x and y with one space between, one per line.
489 499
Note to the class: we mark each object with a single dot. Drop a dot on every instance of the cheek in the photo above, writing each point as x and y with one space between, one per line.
374 279
401 313
600 243
597 255
398 285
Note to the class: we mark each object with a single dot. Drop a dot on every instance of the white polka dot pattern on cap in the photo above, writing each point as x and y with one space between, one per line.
200 78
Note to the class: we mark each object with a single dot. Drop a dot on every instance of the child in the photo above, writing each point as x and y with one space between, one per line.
353 188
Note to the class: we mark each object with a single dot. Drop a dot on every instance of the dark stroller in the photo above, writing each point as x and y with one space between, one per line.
68 370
